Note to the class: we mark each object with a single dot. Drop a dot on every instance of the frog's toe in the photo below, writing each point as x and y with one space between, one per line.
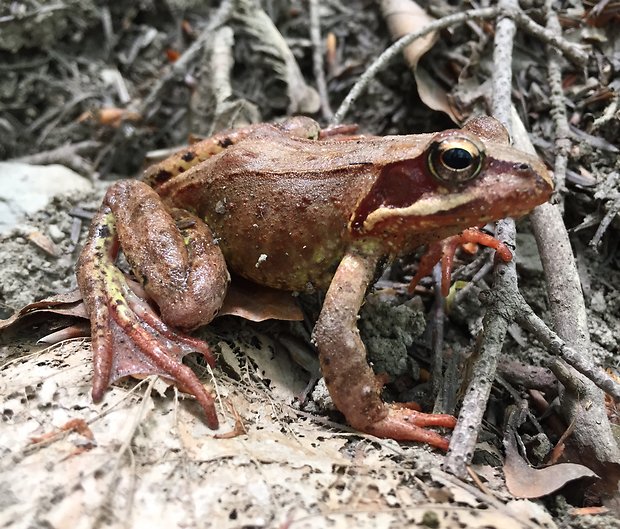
445 250
405 424
130 339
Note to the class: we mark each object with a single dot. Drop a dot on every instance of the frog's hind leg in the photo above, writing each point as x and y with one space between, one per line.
182 270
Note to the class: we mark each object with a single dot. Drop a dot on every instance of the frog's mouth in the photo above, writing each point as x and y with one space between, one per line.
509 186
454 211
424 208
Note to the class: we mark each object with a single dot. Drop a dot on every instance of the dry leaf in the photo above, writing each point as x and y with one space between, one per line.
523 481
43 242
243 299
258 303
68 304
404 17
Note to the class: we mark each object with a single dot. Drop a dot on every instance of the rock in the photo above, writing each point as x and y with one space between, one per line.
26 189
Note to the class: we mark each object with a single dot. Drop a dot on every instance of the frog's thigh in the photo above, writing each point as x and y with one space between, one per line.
172 252
350 380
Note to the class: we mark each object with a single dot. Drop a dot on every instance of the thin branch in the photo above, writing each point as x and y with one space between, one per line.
526 317
67 154
317 59
570 50
179 67
43 10
558 113
395 49
498 316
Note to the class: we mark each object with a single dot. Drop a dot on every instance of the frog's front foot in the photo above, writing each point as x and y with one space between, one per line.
405 424
128 336
444 251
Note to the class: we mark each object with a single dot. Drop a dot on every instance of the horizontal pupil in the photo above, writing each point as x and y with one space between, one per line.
457 158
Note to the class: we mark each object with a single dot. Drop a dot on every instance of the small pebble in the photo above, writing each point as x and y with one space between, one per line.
55 233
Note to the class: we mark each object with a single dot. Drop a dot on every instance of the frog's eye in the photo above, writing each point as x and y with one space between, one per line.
454 161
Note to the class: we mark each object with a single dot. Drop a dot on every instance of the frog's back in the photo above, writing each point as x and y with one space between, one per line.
279 208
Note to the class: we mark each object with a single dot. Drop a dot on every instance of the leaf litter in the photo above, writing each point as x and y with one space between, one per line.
152 461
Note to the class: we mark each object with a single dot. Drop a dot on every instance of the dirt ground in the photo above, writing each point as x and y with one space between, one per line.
106 88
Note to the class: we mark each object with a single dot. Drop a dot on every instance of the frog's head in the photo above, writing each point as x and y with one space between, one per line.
462 178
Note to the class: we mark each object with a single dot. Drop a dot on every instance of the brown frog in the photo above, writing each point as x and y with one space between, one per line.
289 208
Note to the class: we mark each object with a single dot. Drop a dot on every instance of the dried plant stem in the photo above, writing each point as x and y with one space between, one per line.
570 51
148 106
395 49
317 59
40 12
592 429
558 112
582 401
221 65
67 154
525 316
497 318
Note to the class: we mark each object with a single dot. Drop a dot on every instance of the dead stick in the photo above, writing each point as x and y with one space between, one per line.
555 345
572 52
581 401
317 59
499 314
395 49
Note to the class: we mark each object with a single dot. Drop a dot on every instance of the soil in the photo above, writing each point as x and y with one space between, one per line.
77 72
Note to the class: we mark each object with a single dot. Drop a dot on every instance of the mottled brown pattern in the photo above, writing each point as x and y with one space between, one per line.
295 213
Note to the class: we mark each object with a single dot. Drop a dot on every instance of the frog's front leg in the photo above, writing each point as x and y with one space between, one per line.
351 382
182 270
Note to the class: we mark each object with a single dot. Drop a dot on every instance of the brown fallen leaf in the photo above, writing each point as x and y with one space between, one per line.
523 481
68 304
244 299
403 17
43 242
258 303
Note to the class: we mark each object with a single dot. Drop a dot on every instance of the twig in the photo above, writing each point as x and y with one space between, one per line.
592 431
395 49
558 113
498 315
43 10
317 59
64 111
68 155
513 11
605 222
573 53
581 401
222 63
526 317
439 385
148 107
